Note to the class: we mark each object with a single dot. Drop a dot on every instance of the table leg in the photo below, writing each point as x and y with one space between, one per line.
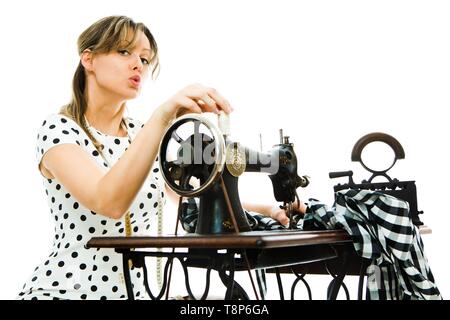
126 272
338 280
280 284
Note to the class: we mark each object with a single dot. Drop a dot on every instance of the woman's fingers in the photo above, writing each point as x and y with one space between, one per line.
208 97
187 105
283 218
279 215
221 101
208 104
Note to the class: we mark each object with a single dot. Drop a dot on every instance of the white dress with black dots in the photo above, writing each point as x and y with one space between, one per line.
71 271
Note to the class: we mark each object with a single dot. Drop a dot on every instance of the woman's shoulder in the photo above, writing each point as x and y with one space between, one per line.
58 119
60 127
57 129
134 124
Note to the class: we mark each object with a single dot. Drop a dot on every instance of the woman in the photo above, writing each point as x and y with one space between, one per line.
101 168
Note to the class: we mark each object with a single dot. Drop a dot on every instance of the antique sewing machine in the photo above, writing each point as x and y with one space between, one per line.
198 159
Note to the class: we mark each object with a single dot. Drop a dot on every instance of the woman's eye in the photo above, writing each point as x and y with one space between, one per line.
144 61
123 52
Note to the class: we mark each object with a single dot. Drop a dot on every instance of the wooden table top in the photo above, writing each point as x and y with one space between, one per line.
251 239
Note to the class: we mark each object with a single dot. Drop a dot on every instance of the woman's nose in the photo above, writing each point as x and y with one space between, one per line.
137 63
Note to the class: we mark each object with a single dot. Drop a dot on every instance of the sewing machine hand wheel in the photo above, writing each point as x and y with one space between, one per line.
192 155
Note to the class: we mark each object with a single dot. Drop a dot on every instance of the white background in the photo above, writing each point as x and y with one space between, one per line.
327 72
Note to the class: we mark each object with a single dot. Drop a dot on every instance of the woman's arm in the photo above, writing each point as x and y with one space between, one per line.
172 195
113 192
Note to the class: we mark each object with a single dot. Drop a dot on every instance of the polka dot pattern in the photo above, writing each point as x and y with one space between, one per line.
72 271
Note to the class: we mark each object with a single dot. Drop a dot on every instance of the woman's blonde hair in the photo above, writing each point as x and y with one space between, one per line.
104 36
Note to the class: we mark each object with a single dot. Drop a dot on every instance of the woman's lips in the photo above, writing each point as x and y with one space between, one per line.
135 81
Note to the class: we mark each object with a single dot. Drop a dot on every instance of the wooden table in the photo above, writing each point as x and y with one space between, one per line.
301 252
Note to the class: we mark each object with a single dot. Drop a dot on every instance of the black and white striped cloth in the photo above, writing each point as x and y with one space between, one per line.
382 232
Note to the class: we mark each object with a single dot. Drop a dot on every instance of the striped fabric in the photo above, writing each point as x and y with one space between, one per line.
382 232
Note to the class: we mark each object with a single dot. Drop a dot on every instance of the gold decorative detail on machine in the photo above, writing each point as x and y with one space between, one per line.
228 225
235 159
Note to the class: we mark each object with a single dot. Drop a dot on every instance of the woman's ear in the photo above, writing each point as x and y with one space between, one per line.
86 59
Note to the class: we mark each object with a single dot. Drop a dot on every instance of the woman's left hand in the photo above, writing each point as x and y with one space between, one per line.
279 214
275 212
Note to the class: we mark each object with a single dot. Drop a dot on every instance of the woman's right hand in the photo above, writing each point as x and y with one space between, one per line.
194 98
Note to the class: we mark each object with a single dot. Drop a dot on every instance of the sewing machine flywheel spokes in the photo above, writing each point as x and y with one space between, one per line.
192 155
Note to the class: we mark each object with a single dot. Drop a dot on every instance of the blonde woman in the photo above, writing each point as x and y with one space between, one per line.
100 168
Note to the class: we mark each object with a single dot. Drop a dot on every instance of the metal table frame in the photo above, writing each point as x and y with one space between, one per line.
300 252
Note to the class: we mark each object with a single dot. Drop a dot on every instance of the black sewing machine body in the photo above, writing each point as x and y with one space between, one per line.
220 209
214 216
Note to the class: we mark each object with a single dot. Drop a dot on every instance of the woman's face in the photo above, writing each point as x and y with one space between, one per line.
121 72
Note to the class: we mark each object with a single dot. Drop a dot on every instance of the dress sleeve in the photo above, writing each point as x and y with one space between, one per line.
56 130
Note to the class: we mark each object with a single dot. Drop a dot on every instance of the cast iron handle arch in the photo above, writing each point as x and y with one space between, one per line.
377 137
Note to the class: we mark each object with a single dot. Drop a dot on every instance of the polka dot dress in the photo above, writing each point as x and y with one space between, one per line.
72 271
